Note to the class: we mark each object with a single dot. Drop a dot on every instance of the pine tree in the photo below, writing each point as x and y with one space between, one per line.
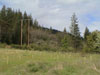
65 30
25 23
31 20
35 24
18 16
64 42
3 13
50 27
74 30
3 24
10 21
86 33
25 15
51 31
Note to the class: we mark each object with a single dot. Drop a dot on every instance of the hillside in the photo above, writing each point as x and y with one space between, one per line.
19 30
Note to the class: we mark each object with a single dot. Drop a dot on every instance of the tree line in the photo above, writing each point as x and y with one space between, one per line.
10 22
42 38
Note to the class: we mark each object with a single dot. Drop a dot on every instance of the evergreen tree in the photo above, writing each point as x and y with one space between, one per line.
86 33
31 20
25 15
35 24
65 30
64 42
74 30
18 18
25 23
50 28
3 13
10 21
3 24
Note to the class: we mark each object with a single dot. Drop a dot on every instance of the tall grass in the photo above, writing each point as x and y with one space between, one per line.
23 62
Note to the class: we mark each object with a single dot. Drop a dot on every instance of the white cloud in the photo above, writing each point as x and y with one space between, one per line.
94 26
71 1
57 13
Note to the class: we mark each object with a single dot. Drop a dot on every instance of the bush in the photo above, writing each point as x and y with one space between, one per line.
43 47
15 46
3 45
35 67
68 49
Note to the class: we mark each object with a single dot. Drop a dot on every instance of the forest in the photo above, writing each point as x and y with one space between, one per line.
42 38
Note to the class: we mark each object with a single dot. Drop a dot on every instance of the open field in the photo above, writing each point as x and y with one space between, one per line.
22 62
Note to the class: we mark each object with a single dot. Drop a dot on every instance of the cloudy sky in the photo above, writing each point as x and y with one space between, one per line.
57 13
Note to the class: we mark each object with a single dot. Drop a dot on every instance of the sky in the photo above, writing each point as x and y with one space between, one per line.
57 13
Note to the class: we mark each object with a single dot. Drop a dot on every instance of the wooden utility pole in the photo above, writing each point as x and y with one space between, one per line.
0 33
21 35
28 32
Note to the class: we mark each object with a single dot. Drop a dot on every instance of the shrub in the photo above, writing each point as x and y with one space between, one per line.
3 45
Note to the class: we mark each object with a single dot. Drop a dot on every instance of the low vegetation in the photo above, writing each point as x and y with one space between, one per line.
23 62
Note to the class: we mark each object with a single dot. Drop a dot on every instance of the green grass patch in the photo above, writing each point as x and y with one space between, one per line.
23 62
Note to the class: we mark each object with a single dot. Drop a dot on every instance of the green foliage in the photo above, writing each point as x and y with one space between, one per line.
47 63
43 38
90 43
97 42
10 22
36 67
35 24
74 30
3 45
65 30
52 40
86 33
93 42
65 42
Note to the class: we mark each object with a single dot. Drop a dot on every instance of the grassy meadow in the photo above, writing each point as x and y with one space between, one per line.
23 62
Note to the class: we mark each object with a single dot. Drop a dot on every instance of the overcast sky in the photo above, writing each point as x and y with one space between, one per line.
57 13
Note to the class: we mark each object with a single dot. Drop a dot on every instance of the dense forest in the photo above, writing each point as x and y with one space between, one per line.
41 38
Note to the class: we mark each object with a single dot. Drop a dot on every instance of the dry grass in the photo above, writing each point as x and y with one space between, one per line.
16 62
